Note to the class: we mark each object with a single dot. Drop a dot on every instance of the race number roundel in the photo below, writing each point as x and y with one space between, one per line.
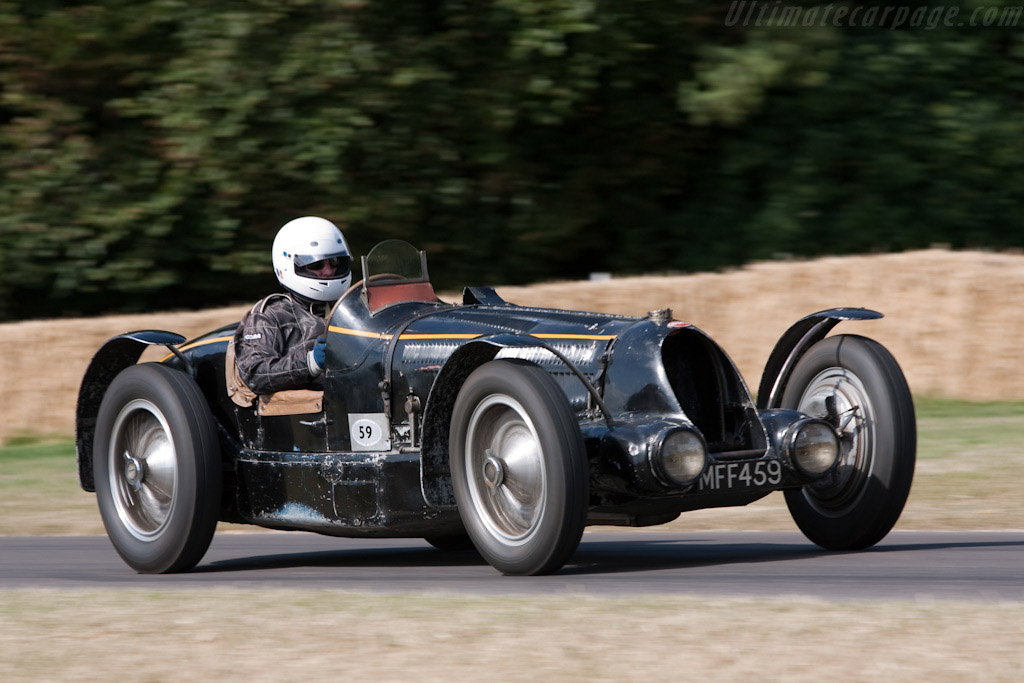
365 433
369 432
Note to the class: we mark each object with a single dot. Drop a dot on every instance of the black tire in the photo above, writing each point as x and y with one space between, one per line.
155 420
859 503
519 468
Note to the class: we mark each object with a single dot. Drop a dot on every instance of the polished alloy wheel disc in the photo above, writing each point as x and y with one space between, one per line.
143 469
505 468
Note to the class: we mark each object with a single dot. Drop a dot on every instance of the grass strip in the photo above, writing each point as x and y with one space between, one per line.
970 462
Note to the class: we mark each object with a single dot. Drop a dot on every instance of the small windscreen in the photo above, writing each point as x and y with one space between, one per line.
394 261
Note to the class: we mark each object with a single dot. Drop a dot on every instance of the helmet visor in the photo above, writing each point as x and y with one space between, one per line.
329 268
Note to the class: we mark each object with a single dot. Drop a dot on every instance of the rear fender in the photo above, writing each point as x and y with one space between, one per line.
794 343
114 356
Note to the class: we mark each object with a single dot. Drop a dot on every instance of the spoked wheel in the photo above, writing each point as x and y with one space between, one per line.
856 384
157 467
519 468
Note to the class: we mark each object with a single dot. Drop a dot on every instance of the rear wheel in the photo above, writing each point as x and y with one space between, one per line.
857 384
519 468
157 462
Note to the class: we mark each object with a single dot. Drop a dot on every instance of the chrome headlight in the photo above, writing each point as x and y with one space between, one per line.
813 447
681 457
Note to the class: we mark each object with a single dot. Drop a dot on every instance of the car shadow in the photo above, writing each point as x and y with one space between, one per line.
350 558
593 557
611 557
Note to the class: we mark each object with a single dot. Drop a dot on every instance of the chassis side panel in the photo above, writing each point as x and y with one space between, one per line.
339 494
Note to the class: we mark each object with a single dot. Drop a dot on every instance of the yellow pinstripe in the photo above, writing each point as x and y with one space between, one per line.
416 336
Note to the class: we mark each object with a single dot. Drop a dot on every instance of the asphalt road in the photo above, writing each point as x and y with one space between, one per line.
906 565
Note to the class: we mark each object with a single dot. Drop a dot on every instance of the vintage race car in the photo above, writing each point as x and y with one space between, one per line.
490 425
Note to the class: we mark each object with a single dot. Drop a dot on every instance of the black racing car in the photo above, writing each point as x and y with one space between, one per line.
490 425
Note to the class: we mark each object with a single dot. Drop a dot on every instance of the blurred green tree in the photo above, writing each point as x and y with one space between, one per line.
150 150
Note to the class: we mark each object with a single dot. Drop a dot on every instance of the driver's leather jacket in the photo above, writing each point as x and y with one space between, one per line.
272 344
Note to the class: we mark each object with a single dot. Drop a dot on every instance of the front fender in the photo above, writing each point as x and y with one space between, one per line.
114 356
435 474
794 343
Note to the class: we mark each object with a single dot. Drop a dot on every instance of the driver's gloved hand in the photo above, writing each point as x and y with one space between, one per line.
317 357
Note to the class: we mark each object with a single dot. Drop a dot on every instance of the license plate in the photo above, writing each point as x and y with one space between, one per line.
725 476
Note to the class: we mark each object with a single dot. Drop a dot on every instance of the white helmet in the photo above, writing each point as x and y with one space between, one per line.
312 259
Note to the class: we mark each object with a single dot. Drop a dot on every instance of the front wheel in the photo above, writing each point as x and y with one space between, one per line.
519 468
158 470
855 383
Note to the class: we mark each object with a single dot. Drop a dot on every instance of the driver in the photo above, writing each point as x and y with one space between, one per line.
276 344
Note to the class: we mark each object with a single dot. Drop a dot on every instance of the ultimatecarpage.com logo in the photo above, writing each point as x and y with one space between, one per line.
777 13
